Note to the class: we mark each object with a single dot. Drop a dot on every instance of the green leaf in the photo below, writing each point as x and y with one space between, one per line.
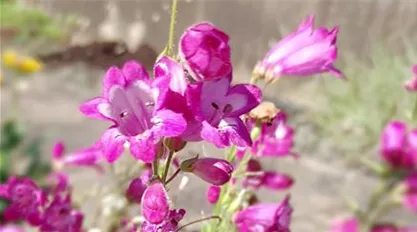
11 136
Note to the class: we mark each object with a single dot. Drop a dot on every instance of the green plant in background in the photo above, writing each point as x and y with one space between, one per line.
32 23
355 112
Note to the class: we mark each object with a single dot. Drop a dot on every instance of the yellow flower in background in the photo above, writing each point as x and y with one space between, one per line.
10 59
29 65
21 64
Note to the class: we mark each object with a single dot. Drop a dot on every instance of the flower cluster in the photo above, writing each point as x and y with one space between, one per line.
47 210
188 98
398 151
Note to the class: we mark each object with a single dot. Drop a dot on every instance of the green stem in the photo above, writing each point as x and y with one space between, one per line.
173 176
167 164
171 37
155 162
200 220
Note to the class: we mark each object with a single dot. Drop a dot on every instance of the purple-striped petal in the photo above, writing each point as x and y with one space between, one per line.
113 77
134 71
97 108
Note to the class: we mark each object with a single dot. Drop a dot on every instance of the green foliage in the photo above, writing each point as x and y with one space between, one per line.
354 112
32 23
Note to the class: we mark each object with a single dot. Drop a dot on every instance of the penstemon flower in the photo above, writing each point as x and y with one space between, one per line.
59 216
411 84
133 102
156 210
399 148
265 217
205 52
213 193
84 157
26 199
212 170
219 114
305 52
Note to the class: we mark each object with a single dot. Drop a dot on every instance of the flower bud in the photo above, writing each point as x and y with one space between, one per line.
176 144
213 194
205 52
135 190
305 52
155 203
277 181
411 84
265 217
393 147
212 170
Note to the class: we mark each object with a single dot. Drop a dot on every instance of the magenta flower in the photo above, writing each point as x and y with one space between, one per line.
212 170
268 179
345 225
205 52
26 200
397 147
213 194
254 181
133 102
59 216
169 224
155 203
135 190
305 52
264 217
84 157
411 84
220 113
276 138
277 181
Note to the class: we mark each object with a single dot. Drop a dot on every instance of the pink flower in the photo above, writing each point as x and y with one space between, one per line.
268 179
387 227
276 138
264 217
398 148
155 203
213 194
11 228
84 157
411 84
169 224
305 52
219 113
134 103
205 52
212 170
26 199
345 225
135 190
59 216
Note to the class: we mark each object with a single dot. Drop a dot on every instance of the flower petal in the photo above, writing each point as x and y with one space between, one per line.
166 67
97 108
213 135
112 144
114 76
134 71
144 147
168 123
230 131
243 98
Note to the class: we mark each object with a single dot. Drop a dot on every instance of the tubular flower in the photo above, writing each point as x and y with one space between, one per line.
205 52
397 147
265 217
219 114
268 179
305 52
345 225
411 84
133 102
212 170
213 194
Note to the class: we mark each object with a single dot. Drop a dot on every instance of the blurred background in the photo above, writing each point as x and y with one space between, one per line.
337 123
